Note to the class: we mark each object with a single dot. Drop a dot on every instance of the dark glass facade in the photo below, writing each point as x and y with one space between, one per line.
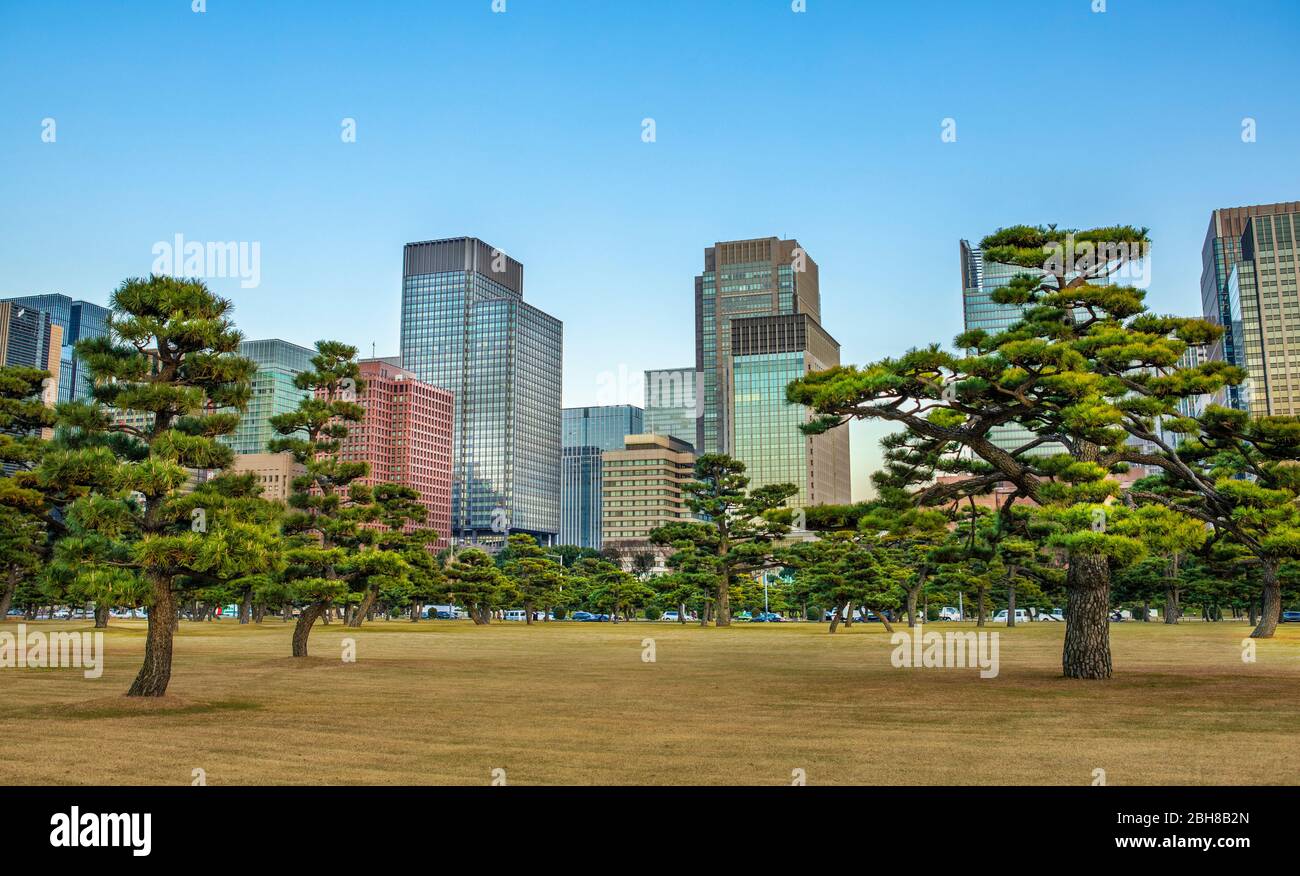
605 426
580 497
467 329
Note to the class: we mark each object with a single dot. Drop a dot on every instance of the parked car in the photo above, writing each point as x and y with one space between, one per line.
858 616
599 618
1291 617
674 616
743 616
768 617
582 616
949 613
1022 616
439 614
1116 616
1054 615
515 614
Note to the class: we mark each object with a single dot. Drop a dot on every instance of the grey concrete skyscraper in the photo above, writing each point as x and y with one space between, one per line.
467 329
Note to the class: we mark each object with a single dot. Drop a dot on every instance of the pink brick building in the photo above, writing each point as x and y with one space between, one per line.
406 437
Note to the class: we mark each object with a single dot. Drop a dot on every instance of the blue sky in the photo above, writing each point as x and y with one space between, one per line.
524 128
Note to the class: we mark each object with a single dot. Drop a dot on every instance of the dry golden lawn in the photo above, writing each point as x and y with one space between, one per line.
571 703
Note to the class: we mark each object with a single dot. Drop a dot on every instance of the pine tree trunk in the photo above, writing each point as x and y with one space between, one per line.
246 607
7 595
722 615
156 672
101 617
362 611
1171 603
979 599
528 614
1087 623
681 613
835 616
1011 605
912 593
416 610
1272 610
302 629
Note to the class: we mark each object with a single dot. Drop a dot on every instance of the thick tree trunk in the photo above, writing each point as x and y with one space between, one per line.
157 669
528 614
835 616
912 594
1271 613
848 615
1146 611
302 629
1087 624
1011 605
722 615
101 617
1171 603
889 627
246 607
982 615
681 613
7 594
416 610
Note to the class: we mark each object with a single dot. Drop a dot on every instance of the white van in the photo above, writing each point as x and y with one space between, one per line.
950 613
516 614
1022 616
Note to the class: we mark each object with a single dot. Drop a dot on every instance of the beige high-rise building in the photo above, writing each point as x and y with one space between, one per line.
275 471
641 488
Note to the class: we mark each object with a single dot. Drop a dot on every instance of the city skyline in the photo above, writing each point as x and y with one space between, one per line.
250 151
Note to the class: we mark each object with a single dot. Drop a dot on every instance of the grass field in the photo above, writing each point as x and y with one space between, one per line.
563 703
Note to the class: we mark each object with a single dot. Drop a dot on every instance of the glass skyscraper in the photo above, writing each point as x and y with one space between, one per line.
670 403
604 427
587 432
761 277
580 497
79 320
467 329
768 352
1250 265
273 392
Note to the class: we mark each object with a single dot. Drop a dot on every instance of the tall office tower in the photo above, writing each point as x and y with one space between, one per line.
587 432
603 427
670 403
467 329
30 337
1222 303
762 277
406 437
580 496
767 353
273 392
1249 273
642 490
79 320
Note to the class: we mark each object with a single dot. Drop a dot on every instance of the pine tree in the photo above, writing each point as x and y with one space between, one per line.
127 459
1084 370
